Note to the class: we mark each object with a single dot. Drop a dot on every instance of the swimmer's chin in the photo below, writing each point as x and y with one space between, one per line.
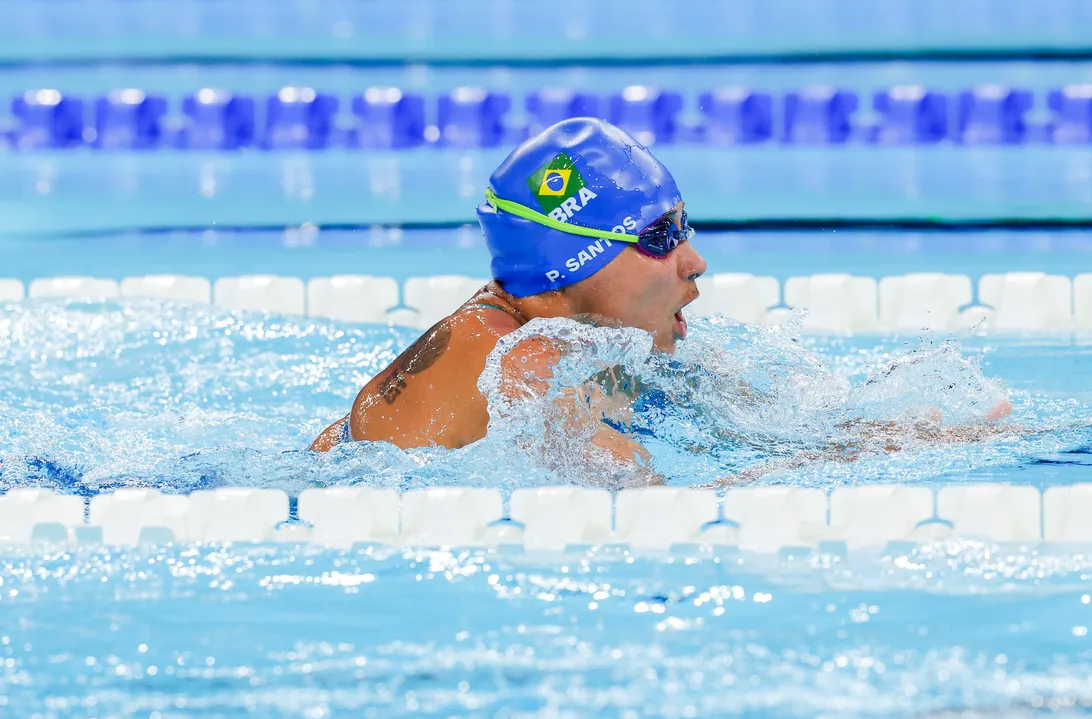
668 347
659 344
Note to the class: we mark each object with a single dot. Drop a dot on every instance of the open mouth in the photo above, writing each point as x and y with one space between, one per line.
680 325
680 320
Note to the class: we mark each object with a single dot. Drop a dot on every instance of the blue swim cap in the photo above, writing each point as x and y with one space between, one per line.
581 171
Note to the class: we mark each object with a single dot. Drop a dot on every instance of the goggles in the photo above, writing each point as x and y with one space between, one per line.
656 240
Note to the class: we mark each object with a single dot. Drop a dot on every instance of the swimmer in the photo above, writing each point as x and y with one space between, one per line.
581 222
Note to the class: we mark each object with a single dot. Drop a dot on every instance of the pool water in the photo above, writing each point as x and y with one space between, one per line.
96 396
309 252
101 395
949 630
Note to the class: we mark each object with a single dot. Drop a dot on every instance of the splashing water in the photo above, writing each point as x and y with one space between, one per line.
97 396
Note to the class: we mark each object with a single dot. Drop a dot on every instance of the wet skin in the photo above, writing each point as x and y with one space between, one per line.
429 394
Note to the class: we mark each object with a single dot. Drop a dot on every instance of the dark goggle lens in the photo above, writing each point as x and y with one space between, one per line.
662 236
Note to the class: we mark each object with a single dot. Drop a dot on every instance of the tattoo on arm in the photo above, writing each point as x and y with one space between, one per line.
421 355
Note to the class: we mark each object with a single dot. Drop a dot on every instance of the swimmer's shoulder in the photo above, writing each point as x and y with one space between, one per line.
493 310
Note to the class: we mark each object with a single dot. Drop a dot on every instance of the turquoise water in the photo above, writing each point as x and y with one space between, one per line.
86 191
177 79
100 396
947 631
394 252
103 395
611 30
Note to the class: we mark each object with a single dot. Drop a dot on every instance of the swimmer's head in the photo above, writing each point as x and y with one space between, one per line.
565 210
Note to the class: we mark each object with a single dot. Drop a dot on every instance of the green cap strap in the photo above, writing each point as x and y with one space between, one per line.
527 213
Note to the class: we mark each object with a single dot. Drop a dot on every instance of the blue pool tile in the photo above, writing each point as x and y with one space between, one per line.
472 117
216 120
299 118
649 114
47 119
552 105
910 114
993 114
387 117
819 114
129 119
1072 108
735 115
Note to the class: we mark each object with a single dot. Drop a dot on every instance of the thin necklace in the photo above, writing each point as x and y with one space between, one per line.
517 315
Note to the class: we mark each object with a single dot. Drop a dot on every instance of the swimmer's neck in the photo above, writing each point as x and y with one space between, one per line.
545 305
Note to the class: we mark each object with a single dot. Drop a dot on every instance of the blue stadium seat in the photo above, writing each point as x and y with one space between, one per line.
910 114
298 118
992 114
819 114
736 115
552 105
387 117
47 119
650 115
129 119
1072 108
472 117
217 120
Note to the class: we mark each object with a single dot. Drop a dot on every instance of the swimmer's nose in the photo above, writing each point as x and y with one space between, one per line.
691 264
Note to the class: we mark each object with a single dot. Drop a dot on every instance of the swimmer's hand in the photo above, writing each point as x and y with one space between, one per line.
893 437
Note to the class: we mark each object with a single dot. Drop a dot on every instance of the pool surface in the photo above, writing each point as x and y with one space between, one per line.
309 252
970 598
100 396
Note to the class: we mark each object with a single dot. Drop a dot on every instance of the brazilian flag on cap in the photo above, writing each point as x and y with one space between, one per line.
555 182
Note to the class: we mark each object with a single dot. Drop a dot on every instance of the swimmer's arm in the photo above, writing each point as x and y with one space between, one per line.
528 368
330 437
878 437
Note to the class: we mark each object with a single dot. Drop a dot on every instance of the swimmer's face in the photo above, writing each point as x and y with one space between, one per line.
648 293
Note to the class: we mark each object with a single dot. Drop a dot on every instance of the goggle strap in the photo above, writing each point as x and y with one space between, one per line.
527 213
